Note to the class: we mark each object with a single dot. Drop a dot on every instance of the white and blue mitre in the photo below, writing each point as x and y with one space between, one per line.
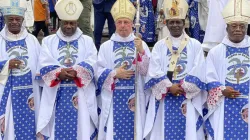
13 7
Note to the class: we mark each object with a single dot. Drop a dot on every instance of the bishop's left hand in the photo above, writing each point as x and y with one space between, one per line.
2 125
67 74
138 45
40 136
72 72
229 92
176 89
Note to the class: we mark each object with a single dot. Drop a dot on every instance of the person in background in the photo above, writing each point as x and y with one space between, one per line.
101 14
53 14
1 20
214 31
248 30
84 20
42 17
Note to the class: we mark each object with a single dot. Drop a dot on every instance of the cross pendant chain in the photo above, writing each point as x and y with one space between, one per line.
177 70
238 75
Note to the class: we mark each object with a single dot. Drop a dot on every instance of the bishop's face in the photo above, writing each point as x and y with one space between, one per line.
69 27
14 23
175 27
123 26
236 31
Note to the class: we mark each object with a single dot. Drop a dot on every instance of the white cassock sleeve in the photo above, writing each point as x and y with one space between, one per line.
214 86
194 82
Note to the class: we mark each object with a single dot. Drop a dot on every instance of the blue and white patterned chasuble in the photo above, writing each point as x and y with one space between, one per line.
236 110
67 99
66 103
175 107
123 94
19 85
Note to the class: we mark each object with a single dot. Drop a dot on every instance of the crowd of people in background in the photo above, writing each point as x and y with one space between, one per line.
199 20
46 19
71 85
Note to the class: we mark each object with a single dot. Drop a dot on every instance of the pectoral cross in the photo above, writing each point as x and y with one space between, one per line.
238 75
176 71
175 52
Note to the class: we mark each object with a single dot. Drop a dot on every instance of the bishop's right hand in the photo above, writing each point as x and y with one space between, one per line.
122 73
2 121
229 92
176 90
14 63
40 136
67 74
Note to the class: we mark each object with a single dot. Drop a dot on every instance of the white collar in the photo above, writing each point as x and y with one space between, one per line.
176 41
176 38
243 44
116 37
7 35
75 36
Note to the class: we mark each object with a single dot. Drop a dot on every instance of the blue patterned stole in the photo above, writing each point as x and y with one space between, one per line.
175 107
123 94
66 111
67 99
19 84
236 110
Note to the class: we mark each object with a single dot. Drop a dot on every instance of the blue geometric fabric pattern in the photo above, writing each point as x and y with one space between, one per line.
66 114
88 67
175 120
66 105
195 29
13 9
102 78
1 21
92 137
212 85
2 63
175 106
47 69
19 85
123 100
199 123
154 81
68 52
147 28
123 114
235 110
196 81
209 129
